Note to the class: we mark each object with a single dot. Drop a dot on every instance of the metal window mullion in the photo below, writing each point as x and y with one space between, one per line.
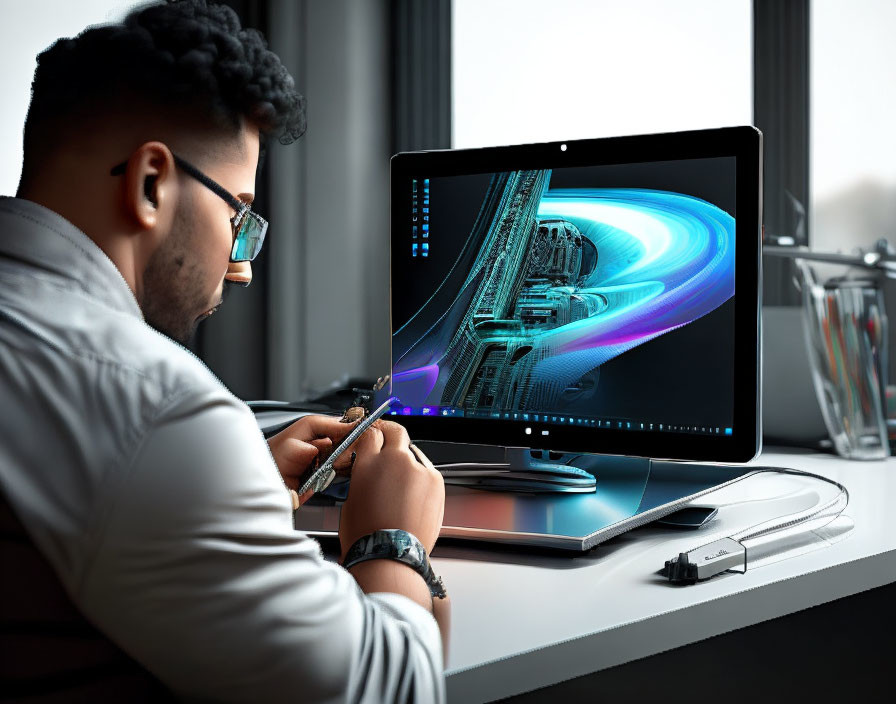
421 48
781 111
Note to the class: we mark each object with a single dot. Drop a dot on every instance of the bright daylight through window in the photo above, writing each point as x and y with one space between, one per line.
853 111
530 71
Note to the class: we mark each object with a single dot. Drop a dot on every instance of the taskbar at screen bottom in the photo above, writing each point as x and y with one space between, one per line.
576 421
742 444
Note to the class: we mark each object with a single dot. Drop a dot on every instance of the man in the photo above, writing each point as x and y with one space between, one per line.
147 527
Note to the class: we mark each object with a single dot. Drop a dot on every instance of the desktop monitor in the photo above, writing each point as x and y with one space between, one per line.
591 296
590 310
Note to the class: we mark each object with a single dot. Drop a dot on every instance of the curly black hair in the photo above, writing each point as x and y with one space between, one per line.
184 55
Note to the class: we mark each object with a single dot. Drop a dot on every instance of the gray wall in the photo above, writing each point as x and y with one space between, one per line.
317 312
329 199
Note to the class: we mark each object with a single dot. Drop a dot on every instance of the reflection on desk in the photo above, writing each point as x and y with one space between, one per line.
524 619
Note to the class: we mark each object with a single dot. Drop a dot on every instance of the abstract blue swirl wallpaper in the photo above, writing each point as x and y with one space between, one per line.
567 291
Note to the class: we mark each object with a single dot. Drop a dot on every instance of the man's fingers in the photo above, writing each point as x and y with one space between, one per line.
421 458
329 427
298 453
370 442
395 437
324 446
308 428
293 458
344 462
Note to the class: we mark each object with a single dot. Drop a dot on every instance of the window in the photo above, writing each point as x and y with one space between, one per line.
27 29
529 71
852 123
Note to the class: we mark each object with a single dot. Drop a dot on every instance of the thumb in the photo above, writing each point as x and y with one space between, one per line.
293 458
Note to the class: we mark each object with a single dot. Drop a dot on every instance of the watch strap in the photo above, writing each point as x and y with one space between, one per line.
399 545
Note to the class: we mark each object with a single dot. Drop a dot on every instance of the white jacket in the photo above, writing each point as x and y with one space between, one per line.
151 491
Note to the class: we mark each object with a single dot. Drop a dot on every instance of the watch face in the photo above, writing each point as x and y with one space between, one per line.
393 543
388 542
404 546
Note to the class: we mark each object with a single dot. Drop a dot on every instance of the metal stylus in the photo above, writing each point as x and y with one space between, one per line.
322 476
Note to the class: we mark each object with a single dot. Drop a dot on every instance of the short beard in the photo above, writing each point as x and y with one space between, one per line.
170 298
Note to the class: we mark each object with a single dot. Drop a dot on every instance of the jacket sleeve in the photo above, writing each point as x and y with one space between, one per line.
200 576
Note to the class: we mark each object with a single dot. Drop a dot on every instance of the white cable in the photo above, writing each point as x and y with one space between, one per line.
829 510
731 553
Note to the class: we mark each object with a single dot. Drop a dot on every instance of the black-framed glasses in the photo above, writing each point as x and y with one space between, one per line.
248 228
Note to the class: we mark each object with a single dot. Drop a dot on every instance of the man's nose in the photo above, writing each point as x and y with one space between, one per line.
239 273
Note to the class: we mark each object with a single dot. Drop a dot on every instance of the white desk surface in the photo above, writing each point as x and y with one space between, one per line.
524 620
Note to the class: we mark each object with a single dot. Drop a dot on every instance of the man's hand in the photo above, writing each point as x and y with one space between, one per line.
394 485
297 447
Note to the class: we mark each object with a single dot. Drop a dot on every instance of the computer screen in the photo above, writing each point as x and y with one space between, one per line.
596 295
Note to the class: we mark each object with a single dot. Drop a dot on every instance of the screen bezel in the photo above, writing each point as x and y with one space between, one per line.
743 143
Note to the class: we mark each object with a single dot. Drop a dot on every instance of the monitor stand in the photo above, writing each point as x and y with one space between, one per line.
624 493
523 470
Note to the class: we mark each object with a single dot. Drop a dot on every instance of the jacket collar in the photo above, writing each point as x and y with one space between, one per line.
45 240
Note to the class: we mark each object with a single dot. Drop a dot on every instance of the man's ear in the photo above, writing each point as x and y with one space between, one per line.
150 184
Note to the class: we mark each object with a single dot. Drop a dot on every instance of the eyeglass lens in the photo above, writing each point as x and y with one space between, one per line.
251 230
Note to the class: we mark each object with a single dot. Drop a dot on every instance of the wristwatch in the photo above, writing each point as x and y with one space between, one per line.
395 544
